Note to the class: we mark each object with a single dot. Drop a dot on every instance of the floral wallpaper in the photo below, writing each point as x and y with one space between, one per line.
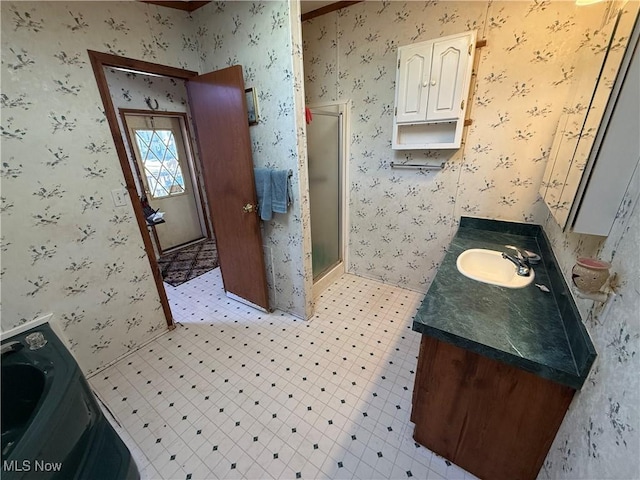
600 435
402 221
272 147
66 249
146 92
264 37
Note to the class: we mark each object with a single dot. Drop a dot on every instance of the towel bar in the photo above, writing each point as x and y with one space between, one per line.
417 165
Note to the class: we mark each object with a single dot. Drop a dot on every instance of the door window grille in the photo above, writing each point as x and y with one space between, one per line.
160 161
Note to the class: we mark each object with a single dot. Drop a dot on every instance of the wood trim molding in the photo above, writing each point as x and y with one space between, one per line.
136 170
159 113
326 9
109 60
98 61
184 5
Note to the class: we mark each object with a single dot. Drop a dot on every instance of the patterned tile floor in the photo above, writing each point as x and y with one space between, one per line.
235 393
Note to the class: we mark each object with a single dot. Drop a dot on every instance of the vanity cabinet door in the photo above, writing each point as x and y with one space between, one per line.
492 419
413 87
447 79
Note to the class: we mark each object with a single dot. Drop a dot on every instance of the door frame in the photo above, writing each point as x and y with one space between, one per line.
194 167
100 60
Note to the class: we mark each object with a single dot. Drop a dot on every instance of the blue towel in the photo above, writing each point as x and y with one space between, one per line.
263 191
280 191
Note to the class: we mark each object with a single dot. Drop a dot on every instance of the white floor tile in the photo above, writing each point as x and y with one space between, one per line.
236 393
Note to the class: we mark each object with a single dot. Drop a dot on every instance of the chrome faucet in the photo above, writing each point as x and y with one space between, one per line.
521 260
525 255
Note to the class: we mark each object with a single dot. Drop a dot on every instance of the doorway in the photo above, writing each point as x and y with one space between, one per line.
326 134
219 107
165 168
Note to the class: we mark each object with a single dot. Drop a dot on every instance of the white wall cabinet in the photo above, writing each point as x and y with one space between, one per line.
590 178
432 86
612 168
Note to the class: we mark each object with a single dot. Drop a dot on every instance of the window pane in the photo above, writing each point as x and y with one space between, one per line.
145 135
160 162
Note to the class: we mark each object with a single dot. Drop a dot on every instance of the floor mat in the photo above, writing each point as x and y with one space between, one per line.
189 262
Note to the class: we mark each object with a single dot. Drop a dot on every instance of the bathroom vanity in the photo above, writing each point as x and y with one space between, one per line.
498 366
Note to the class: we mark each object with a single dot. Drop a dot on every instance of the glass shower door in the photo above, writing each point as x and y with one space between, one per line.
324 155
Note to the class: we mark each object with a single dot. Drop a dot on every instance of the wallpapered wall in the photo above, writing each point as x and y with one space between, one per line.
261 37
401 221
241 31
601 431
65 248
600 435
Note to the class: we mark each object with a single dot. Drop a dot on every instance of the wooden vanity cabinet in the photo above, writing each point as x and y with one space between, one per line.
492 419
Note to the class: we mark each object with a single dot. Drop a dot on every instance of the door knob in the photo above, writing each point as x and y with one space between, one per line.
248 208
433 83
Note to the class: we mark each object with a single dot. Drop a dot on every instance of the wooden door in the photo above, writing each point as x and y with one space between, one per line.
219 110
414 66
451 57
165 174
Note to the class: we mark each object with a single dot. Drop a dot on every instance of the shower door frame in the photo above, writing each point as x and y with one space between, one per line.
344 109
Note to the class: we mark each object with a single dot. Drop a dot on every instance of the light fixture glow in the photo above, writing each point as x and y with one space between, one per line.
581 3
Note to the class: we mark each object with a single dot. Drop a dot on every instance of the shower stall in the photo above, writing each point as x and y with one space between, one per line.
325 152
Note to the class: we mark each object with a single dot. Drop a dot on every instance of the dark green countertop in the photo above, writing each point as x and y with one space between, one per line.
527 328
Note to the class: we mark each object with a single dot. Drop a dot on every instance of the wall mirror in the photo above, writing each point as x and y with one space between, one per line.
582 114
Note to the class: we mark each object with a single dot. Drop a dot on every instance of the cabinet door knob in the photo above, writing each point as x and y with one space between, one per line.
433 83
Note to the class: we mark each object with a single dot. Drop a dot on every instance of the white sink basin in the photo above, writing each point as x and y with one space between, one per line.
488 266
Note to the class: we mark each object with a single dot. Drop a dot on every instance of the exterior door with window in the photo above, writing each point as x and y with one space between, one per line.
164 167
